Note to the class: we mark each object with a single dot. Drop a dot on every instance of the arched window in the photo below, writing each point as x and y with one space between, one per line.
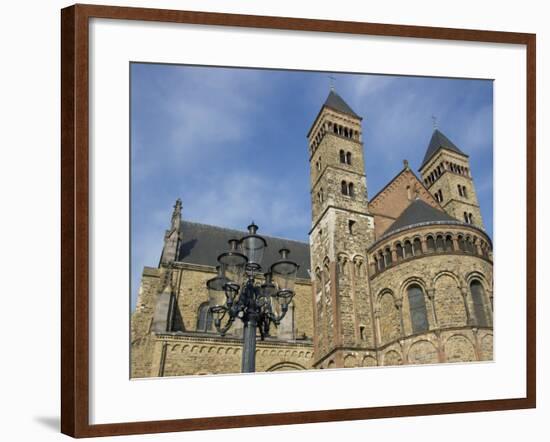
478 296
469 245
335 129
387 256
430 242
461 243
204 318
464 192
466 218
408 249
417 247
470 218
351 226
440 195
459 189
344 188
350 189
381 261
417 308
399 250
348 158
342 156
439 243
449 243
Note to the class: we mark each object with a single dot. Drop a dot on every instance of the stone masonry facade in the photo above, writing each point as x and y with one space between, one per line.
403 278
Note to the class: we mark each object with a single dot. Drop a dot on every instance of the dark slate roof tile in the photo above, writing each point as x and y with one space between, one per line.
202 244
418 212
334 101
439 141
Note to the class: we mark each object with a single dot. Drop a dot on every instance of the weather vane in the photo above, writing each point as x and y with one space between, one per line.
434 121
332 80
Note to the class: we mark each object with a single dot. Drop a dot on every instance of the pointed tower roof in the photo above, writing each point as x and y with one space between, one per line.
439 141
418 212
337 103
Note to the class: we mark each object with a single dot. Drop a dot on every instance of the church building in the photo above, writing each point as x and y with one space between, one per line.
402 277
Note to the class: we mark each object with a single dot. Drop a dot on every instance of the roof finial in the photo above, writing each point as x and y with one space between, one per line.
332 81
176 214
434 121
405 164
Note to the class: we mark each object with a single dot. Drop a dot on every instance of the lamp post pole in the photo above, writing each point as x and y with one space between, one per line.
240 291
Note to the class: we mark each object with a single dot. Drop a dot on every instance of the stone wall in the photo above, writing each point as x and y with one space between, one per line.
179 354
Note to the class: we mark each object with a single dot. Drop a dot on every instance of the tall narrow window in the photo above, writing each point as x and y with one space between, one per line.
408 249
342 156
344 188
204 319
381 261
440 196
399 250
350 189
348 158
417 247
459 189
478 296
449 243
387 256
464 192
470 218
466 218
351 226
439 245
430 242
417 308
461 243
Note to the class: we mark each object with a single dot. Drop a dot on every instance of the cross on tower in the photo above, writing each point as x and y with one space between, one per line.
332 80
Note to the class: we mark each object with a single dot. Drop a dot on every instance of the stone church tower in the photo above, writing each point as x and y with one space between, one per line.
342 229
446 173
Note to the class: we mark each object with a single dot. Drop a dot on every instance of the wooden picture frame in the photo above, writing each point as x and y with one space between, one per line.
75 219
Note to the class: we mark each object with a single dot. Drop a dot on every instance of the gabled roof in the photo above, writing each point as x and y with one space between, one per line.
202 244
439 141
418 212
337 103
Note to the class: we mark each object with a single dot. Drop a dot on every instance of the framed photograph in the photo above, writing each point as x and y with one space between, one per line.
292 220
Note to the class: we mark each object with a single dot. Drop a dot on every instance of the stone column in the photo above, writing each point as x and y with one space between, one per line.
489 307
424 245
469 319
377 322
372 266
431 297
456 247
399 307
477 347
393 254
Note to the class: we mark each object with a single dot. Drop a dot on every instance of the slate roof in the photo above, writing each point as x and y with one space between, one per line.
336 102
418 212
439 141
202 244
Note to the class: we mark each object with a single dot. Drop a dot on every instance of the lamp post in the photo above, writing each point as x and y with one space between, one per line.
241 290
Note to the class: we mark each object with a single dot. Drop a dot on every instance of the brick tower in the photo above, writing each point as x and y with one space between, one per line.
342 229
446 173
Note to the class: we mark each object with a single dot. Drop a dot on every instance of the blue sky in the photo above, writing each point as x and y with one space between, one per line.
231 143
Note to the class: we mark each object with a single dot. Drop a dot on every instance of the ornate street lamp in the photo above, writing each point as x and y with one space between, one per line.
241 290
